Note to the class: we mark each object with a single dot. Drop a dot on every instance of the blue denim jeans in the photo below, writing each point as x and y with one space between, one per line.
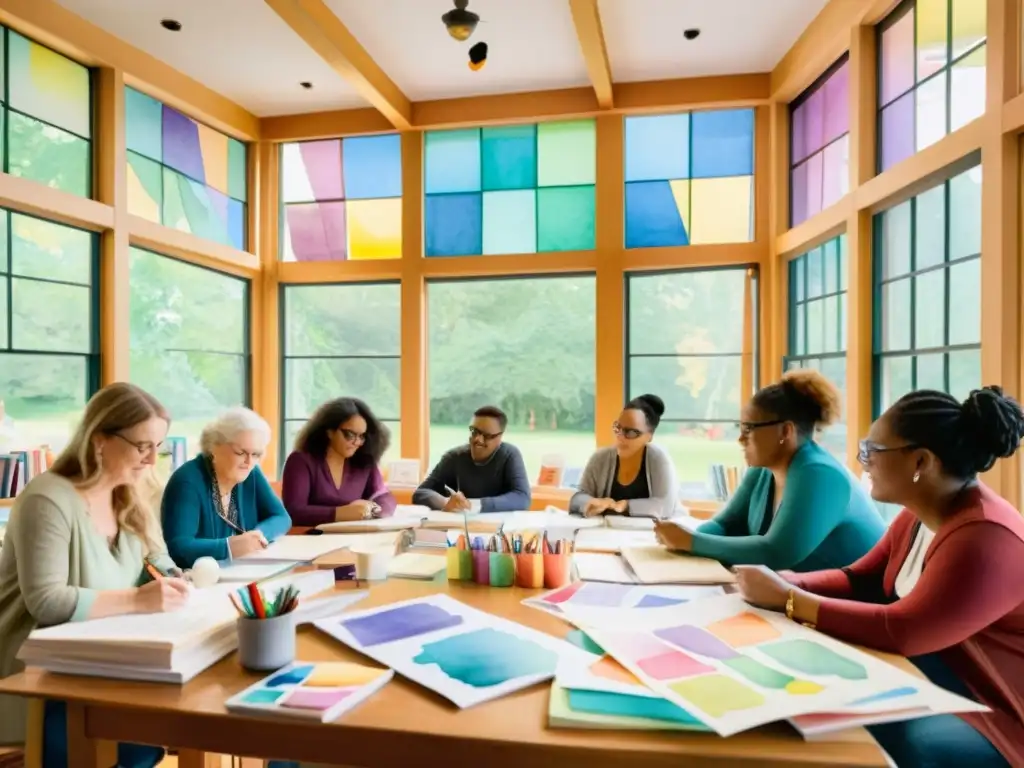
55 743
939 741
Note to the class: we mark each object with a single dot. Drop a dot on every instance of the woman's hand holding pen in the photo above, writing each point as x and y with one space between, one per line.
162 595
246 543
457 502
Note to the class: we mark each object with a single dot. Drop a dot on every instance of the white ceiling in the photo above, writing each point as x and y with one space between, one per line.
532 45
239 48
645 37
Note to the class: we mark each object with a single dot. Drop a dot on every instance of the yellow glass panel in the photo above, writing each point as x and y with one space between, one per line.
681 194
214 146
721 210
931 37
374 228
140 203
969 18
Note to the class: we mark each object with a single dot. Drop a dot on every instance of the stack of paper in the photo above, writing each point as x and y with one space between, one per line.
306 549
657 565
163 647
413 565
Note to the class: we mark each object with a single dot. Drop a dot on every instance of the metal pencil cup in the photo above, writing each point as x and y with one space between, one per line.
265 645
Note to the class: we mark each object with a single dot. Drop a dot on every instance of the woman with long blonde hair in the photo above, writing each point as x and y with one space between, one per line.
77 544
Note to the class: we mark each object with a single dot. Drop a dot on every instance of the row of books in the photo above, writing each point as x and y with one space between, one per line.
18 467
725 480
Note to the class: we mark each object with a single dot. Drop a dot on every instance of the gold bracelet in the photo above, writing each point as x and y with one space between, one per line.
791 607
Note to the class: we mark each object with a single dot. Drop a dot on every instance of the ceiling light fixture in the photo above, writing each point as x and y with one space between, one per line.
307 85
460 22
691 34
171 25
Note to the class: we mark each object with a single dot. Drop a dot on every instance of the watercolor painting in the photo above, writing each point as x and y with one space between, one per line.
599 596
311 690
605 711
465 655
734 667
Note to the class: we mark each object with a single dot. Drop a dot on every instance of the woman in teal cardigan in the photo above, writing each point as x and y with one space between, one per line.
219 504
797 508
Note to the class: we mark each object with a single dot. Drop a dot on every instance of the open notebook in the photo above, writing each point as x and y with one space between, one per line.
168 647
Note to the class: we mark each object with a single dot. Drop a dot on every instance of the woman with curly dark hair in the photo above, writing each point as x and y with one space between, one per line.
333 474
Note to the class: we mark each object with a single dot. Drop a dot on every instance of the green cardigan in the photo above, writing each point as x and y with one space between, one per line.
825 520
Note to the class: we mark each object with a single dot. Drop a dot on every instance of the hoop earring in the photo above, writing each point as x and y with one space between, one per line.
782 441
917 476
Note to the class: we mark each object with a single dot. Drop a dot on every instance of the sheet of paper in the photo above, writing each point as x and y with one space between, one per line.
416 565
363 526
301 549
627 523
243 571
593 566
463 654
657 565
638 600
613 540
605 711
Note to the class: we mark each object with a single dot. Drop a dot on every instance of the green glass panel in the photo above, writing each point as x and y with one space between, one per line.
896 316
145 187
452 161
965 303
964 372
830 251
844 250
3 313
831 341
798 277
4 218
930 228
48 155
188 207
896 237
509 155
965 214
565 219
50 251
930 309
50 316
510 221
931 372
566 153
237 170
172 210
815 273
143 122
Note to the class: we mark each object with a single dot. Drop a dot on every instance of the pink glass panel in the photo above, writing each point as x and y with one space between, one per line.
897 131
796 127
316 231
798 182
322 161
897 59
814 128
837 104
836 171
814 179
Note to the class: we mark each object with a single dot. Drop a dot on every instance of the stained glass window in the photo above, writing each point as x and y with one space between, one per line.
820 144
510 189
341 340
931 60
342 199
690 178
817 321
46 117
49 345
189 339
184 174
928 291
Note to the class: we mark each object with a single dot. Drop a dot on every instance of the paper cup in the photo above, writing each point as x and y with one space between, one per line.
372 563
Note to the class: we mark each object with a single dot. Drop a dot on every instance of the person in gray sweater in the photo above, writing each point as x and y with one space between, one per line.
486 475
634 477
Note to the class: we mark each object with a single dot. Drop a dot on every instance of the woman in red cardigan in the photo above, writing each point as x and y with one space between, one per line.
944 586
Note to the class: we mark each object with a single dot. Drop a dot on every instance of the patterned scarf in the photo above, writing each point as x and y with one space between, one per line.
230 515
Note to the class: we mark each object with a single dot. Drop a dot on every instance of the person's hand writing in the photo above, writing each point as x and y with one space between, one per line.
162 595
619 507
246 543
597 507
356 510
457 502
673 536
762 587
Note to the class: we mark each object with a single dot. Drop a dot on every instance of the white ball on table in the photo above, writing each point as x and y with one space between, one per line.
205 572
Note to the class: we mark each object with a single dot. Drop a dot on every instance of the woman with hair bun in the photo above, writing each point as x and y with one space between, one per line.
633 477
797 507
945 586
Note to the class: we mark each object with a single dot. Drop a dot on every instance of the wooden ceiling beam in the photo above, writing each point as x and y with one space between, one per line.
586 16
324 32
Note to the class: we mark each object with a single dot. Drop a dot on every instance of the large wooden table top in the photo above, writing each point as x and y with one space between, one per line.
405 724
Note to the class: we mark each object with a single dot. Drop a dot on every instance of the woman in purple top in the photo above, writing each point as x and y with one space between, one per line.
333 473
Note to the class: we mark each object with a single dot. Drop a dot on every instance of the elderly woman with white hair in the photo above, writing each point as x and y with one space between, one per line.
219 504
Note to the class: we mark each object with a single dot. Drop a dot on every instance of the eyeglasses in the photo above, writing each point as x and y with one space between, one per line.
746 427
144 448
627 432
255 456
486 436
869 449
353 437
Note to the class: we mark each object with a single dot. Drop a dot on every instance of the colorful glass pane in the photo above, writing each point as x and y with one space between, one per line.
529 189
967 89
342 199
48 86
896 52
932 43
48 155
143 124
658 147
145 187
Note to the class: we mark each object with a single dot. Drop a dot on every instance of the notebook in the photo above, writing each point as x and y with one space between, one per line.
306 549
307 690
414 565
657 565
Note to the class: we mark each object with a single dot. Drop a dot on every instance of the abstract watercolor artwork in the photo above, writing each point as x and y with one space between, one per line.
599 595
342 199
615 711
734 667
311 690
463 654
689 178
184 174
510 189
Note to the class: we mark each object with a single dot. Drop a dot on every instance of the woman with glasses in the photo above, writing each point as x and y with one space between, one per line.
634 477
219 504
945 586
77 545
797 507
334 472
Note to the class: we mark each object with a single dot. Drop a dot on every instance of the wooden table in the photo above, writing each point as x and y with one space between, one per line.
404 724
